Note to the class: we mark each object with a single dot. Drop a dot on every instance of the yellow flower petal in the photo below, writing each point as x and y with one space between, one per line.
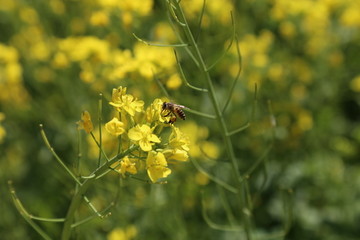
85 122
153 138
115 127
176 154
157 166
135 134
145 129
142 134
145 145
127 165
126 102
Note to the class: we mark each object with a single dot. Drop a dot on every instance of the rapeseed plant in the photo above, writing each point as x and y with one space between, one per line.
141 140
140 147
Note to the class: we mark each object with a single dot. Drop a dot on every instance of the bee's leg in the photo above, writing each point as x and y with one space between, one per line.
172 120
168 114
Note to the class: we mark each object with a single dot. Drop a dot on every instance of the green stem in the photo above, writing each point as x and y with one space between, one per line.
28 218
76 200
100 122
47 143
159 45
219 117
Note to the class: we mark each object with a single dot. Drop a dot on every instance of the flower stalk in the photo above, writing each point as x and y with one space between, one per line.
219 116
78 196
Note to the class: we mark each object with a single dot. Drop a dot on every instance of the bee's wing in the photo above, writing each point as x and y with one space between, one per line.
181 106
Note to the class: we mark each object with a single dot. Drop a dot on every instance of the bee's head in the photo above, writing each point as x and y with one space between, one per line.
164 105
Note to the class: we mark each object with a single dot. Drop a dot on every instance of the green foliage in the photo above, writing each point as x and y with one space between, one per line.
274 130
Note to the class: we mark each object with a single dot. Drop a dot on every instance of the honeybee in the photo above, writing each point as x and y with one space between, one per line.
173 110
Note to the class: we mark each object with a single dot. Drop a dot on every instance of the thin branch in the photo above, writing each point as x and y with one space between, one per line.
171 8
92 207
228 47
25 214
160 45
214 225
79 155
87 177
76 200
100 132
184 78
187 49
259 161
240 129
161 86
74 225
201 114
99 146
47 143
221 121
288 208
232 88
200 20
229 213
247 194
213 178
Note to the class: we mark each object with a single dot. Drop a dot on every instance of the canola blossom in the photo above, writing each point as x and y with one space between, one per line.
126 102
127 165
156 165
142 134
142 128
115 127
85 122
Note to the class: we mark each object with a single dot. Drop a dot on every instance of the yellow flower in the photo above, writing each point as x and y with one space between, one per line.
127 165
179 140
350 16
115 127
176 154
142 135
60 60
153 112
91 48
174 82
178 146
210 149
99 18
122 101
130 232
156 166
85 122
355 84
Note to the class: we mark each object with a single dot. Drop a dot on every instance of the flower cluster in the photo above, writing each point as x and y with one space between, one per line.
159 143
